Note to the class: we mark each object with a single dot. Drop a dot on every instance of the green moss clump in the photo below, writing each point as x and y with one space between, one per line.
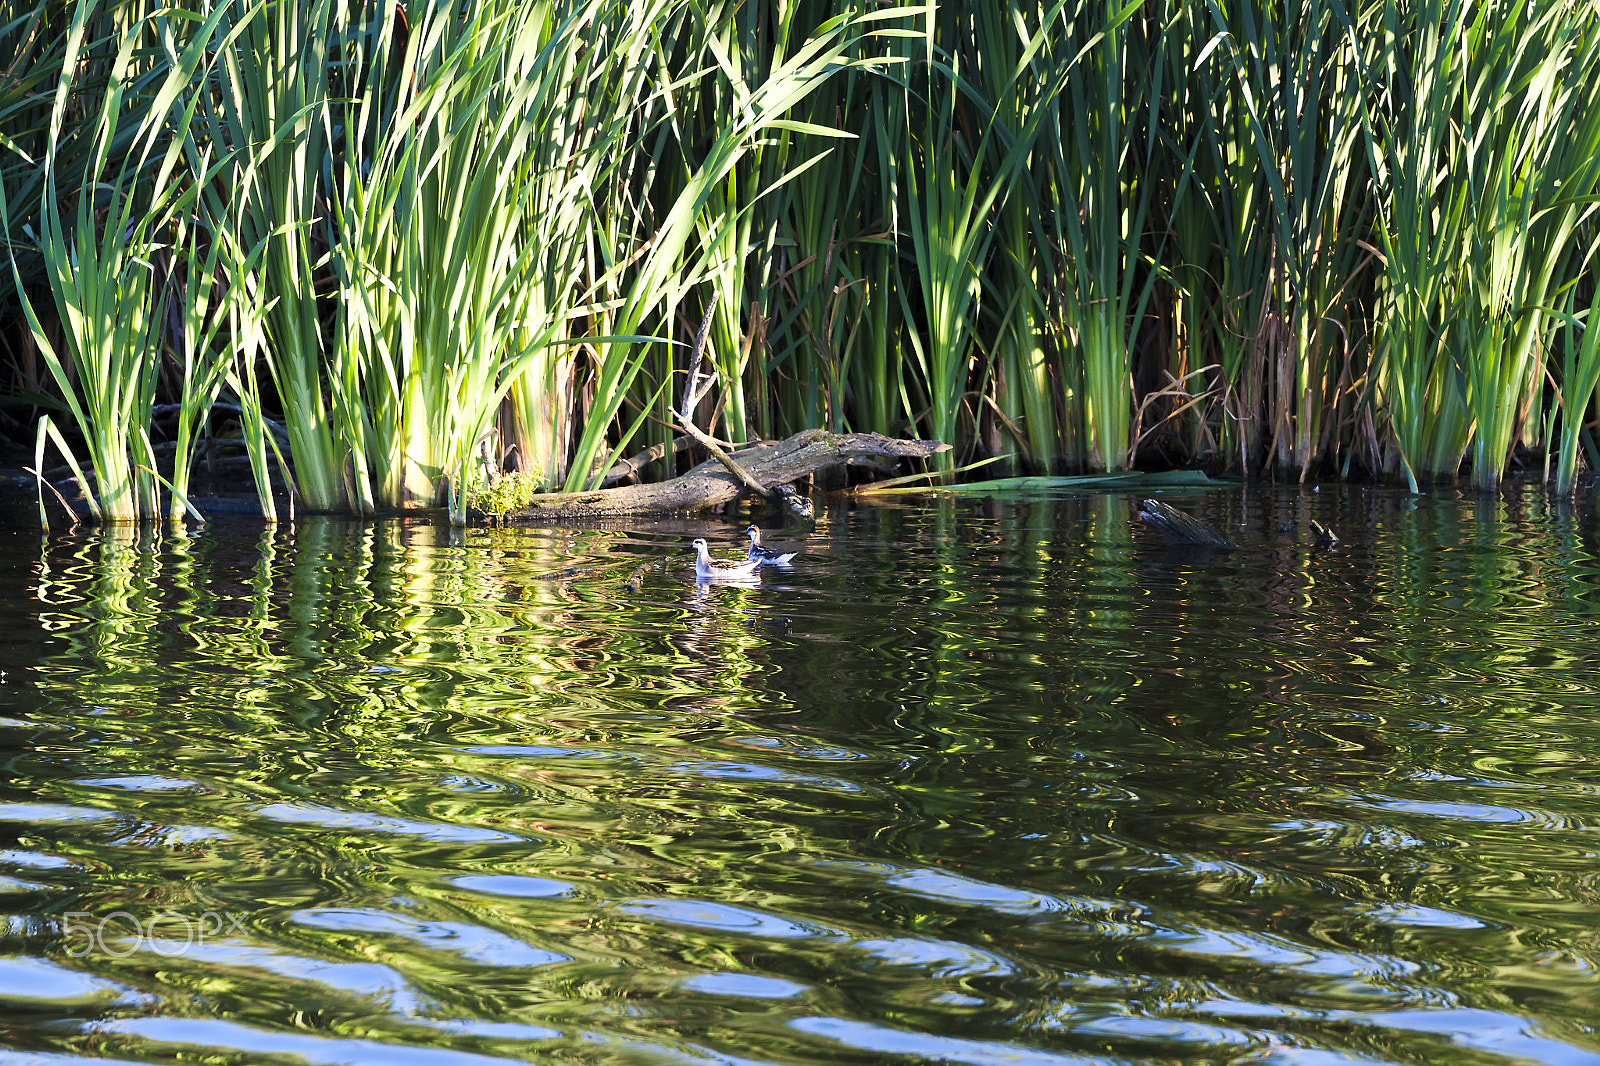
510 492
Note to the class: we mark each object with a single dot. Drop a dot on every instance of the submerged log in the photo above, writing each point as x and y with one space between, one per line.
1180 528
710 483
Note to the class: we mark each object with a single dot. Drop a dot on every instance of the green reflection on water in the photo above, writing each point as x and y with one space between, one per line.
971 782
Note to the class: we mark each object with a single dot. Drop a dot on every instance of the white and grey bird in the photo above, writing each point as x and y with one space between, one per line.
764 556
705 566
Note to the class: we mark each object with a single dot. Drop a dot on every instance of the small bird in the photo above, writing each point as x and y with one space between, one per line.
705 566
761 556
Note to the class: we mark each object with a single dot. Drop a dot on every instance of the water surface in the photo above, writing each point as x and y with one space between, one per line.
973 782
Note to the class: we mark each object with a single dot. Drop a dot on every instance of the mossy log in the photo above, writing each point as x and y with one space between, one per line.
710 483
1180 528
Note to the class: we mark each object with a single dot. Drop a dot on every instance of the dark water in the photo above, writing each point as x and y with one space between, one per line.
972 783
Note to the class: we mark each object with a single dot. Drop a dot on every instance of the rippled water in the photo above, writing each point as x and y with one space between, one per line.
971 783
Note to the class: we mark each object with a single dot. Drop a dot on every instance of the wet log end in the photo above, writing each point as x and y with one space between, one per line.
1180 528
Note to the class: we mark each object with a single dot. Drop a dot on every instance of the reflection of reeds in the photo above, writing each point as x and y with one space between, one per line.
1295 237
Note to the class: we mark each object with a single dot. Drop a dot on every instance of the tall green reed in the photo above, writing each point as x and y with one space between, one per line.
652 286
1299 86
1097 173
430 250
274 98
1531 177
1023 391
963 162
31 38
196 305
1580 376
1481 134
1414 154
878 378
98 255
832 219
949 198
455 221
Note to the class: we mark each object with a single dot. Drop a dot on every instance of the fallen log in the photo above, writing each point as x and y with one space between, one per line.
710 483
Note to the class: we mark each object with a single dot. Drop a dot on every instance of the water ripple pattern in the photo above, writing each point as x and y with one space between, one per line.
971 782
